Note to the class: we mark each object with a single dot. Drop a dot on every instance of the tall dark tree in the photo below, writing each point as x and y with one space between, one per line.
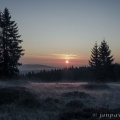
106 59
10 51
1 41
94 61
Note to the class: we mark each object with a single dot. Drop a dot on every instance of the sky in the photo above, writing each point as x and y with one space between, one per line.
54 31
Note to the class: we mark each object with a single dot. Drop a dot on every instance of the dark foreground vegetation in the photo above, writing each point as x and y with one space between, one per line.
22 103
19 95
91 114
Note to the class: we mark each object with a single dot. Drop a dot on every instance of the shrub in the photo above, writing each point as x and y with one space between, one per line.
18 95
75 104
76 94
95 86
51 100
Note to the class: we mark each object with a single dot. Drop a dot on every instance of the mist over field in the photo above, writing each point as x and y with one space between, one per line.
48 101
25 68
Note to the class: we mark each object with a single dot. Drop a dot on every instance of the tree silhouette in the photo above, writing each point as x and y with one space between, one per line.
94 61
1 57
101 61
105 59
10 51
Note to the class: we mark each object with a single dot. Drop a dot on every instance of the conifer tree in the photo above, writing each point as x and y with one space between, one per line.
101 61
1 51
94 61
106 59
10 51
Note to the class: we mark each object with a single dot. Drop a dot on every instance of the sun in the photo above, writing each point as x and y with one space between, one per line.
67 61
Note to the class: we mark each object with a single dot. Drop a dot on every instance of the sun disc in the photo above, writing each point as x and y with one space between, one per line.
67 61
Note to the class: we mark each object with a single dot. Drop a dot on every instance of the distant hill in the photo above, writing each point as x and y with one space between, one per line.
34 67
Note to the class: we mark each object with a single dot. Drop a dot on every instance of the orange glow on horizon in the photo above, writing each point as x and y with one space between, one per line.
54 60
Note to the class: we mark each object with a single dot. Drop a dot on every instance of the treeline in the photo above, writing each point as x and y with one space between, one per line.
70 74
65 74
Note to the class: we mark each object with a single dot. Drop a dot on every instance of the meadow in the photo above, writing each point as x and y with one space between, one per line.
33 100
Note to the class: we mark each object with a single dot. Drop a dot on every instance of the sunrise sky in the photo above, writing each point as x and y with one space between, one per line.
57 31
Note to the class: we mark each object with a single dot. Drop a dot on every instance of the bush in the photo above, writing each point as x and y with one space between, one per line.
51 100
18 95
95 86
75 104
76 94
50 104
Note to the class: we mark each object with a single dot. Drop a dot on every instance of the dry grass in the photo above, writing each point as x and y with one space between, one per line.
74 104
76 94
49 101
89 114
95 86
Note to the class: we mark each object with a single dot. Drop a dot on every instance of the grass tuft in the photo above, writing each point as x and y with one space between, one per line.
76 94
51 100
75 104
95 86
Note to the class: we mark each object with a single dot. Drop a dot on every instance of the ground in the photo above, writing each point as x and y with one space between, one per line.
57 101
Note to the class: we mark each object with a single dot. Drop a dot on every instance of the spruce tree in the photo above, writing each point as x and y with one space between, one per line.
1 43
94 61
10 51
106 60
